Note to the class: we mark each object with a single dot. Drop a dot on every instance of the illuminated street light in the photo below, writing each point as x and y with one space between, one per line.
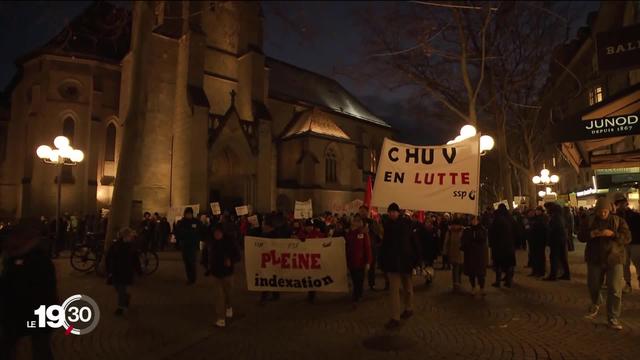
545 178
467 131
63 155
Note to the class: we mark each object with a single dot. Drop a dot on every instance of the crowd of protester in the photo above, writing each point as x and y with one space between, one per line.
386 251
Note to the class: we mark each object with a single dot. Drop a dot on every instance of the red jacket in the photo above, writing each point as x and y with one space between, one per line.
358 249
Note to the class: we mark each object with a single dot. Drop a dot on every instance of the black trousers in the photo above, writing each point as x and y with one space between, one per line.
538 259
479 279
559 256
371 275
123 296
508 271
189 266
357 278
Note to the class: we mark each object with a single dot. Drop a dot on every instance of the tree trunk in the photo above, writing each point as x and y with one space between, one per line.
120 214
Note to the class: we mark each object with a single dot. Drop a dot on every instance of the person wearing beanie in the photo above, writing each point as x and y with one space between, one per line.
633 249
606 236
223 253
399 255
188 233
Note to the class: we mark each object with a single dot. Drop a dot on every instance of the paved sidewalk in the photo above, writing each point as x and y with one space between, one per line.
170 320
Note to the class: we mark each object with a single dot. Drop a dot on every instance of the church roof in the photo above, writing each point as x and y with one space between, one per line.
289 82
316 122
100 32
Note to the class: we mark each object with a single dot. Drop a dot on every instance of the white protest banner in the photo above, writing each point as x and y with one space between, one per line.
303 210
215 208
242 210
253 220
294 265
431 178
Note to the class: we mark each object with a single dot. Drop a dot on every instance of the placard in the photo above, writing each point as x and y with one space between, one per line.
303 210
242 210
294 265
215 208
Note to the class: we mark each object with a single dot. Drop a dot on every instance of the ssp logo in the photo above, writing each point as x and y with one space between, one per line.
78 315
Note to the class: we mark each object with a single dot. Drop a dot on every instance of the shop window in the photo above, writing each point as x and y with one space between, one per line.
373 161
634 77
596 95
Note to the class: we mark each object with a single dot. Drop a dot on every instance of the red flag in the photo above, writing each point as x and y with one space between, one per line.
368 192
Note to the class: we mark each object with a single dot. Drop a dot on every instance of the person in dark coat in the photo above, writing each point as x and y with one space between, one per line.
427 236
163 232
476 254
146 231
399 256
206 230
558 243
442 234
27 281
538 233
502 238
375 236
223 253
122 262
271 230
359 257
188 233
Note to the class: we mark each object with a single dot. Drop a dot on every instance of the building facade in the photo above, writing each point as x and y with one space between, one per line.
222 121
593 97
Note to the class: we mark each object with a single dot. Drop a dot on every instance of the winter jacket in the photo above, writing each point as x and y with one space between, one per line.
538 231
502 237
557 235
453 244
427 237
219 252
26 282
122 262
188 233
633 221
400 252
358 249
476 250
605 251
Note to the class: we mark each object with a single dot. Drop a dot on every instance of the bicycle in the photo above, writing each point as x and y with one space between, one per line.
149 261
87 255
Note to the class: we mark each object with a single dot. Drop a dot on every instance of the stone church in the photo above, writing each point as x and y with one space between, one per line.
223 121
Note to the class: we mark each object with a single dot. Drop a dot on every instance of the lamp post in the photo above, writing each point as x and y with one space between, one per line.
545 178
63 155
467 131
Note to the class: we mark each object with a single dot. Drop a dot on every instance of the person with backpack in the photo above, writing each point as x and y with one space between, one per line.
606 236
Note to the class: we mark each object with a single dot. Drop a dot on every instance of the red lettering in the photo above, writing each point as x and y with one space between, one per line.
275 259
417 181
453 178
266 257
285 260
441 178
465 178
303 261
315 261
428 180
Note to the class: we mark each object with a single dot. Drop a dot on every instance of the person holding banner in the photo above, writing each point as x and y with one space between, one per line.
399 255
223 254
188 233
359 257
309 232
375 238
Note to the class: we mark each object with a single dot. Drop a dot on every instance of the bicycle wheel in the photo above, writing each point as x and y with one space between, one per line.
149 262
83 258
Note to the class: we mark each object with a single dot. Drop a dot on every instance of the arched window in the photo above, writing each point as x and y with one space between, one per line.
373 161
330 163
68 130
110 143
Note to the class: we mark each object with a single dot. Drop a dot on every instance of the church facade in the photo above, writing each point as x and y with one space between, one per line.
222 121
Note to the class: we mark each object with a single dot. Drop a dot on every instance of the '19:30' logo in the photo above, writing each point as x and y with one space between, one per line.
78 315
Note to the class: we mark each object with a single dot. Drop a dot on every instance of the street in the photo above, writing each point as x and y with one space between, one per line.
169 320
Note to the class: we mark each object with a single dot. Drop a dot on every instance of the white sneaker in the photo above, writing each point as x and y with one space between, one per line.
229 312
221 323
615 324
593 312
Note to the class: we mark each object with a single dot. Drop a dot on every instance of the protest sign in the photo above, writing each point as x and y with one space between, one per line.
432 178
293 265
303 210
242 210
253 220
215 208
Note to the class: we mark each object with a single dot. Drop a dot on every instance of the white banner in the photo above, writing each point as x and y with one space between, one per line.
242 210
215 208
432 178
294 265
303 210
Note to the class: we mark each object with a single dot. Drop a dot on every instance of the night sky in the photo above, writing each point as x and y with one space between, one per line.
319 36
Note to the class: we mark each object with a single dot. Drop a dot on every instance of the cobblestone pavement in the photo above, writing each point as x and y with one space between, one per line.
169 320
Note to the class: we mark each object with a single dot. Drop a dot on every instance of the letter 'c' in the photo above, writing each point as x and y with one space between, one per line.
391 157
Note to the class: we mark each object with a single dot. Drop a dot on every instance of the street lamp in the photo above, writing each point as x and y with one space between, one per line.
467 131
545 178
63 155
